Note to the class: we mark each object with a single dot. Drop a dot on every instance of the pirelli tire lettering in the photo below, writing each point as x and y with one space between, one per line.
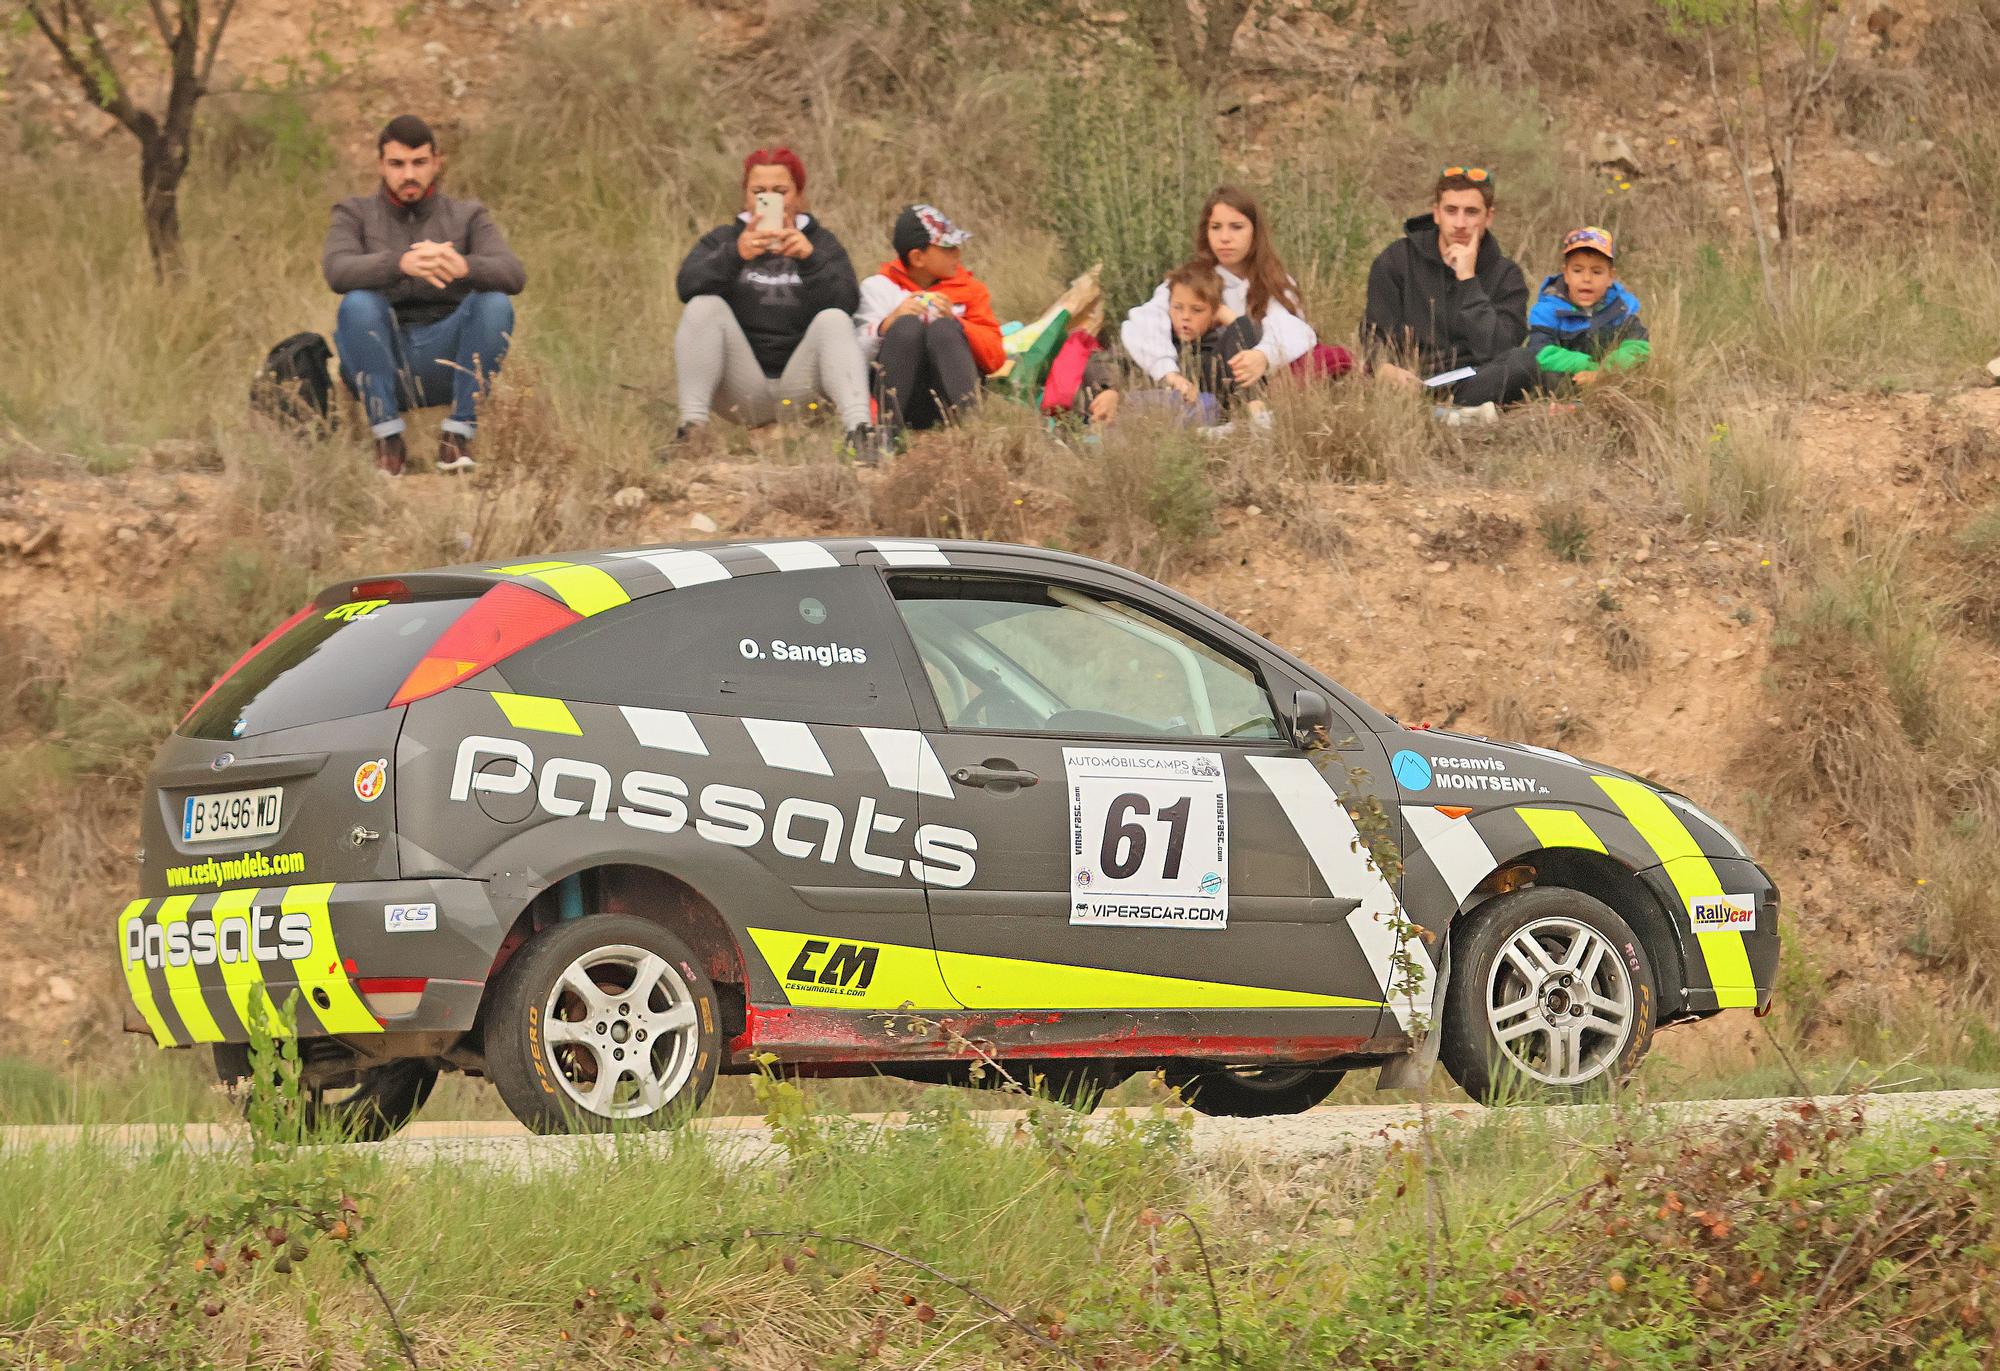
719 812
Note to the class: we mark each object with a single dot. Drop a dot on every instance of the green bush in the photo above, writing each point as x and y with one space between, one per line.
1128 159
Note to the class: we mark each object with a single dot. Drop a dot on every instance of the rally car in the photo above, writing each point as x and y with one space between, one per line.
602 825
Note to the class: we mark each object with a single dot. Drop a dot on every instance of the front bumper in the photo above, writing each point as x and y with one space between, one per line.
352 958
1729 965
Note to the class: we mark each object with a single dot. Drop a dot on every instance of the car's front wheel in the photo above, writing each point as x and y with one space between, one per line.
1551 997
1251 1092
603 1021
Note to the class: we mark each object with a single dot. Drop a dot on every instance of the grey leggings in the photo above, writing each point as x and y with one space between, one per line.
716 368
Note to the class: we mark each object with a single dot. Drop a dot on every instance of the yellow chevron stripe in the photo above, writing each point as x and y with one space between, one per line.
137 984
184 983
1723 954
323 970
917 977
244 979
538 712
586 589
1560 828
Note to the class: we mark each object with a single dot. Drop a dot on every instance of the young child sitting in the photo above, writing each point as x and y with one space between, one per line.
1208 335
1585 322
926 325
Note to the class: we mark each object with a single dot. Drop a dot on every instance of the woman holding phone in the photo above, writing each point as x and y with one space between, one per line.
1229 236
767 329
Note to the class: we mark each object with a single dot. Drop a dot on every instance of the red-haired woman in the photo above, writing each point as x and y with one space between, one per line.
1230 235
767 324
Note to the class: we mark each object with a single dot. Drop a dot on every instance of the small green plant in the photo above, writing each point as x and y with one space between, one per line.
1566 531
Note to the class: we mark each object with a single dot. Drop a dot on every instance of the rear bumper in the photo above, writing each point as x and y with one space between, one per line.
351 959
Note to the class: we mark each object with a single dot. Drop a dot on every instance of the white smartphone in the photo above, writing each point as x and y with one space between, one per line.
770 211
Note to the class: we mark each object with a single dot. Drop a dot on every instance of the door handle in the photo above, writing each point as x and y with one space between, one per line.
993 776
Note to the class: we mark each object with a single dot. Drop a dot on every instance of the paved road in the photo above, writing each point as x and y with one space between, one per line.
1300 1137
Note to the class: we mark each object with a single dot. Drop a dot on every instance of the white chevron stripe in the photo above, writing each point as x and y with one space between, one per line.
1454 847
903 552
795 556
907 761
1334 844
788 745
664 728
683 566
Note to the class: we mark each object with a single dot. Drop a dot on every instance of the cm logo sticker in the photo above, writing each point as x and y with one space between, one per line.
833 968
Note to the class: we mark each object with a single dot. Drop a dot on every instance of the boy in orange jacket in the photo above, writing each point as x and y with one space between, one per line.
926 324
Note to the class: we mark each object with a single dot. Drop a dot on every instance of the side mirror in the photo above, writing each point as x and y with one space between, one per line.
1311 715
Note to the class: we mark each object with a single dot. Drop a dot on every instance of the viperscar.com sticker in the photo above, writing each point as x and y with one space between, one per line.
1148 838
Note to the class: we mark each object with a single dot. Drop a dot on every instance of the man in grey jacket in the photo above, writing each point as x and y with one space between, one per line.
424 282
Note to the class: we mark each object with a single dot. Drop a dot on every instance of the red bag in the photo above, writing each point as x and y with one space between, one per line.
1324 363
1066 372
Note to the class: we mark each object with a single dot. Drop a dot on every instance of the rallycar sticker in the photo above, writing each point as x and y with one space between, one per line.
1148 838
1712 912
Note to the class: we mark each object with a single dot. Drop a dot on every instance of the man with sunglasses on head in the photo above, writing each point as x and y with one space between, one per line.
1444 299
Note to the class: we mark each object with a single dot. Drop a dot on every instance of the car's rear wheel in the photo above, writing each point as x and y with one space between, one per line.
602 1022
1551 998
367 1104
1251 1092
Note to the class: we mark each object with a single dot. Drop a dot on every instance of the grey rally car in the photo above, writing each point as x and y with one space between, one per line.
602 825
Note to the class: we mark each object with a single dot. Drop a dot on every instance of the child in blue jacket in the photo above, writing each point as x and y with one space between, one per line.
1585 323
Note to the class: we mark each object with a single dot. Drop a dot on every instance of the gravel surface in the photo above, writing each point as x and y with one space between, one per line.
1295 1138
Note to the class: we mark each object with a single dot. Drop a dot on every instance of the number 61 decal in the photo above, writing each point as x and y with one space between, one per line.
1149 838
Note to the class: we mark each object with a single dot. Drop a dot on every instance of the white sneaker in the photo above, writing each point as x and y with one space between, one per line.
1262 418
1215 432
1488 413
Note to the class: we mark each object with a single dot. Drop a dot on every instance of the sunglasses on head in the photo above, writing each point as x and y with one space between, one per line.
1473 174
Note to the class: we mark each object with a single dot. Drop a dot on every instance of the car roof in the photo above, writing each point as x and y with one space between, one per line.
604 578
636 572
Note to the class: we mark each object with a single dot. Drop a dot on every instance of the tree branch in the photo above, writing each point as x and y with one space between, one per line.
103 89
215 40
160 22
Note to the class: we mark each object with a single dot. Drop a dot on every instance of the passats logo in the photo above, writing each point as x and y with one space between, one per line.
732 815
847 968
255 935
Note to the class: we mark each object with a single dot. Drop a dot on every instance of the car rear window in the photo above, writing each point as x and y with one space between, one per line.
331 664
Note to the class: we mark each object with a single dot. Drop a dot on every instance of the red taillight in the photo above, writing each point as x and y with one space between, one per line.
392 997
378 590
503 621
237 665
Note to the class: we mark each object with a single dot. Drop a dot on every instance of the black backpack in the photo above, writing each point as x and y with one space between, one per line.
292 387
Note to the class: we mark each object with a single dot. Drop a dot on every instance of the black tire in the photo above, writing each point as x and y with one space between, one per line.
1251 1092
379 1102
674 1033
1573 1046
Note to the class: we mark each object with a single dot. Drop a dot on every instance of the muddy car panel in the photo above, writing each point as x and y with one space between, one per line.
753 737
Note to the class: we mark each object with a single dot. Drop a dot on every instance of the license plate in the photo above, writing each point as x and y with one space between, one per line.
232 815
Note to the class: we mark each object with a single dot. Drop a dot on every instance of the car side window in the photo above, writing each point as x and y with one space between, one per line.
816 646
1031 657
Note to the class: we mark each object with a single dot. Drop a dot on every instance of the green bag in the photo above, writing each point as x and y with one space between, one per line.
1029 353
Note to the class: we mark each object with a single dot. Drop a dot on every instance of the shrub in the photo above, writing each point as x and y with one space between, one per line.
1127 159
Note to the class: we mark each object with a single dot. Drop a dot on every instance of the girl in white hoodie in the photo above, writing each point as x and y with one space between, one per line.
1229 235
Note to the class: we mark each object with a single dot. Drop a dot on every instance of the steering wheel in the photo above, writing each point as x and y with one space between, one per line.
1262 721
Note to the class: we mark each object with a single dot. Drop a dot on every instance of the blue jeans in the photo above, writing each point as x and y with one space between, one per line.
391 367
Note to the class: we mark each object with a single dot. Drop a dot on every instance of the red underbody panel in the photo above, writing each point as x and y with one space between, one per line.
821 1035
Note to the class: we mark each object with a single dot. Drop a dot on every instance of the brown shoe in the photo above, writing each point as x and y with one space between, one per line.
390 455
454 454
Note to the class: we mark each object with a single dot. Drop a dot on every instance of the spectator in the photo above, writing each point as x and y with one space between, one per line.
1446 298
424 281
928 324
1585 322
1208 338
1229 239
767 325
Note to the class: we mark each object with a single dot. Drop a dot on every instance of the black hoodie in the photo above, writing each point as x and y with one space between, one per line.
1415 300
773 297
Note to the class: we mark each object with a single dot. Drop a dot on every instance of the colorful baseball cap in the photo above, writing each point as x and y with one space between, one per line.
924 226
1591 237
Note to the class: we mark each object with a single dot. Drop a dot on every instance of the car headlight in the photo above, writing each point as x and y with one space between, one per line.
1693 810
